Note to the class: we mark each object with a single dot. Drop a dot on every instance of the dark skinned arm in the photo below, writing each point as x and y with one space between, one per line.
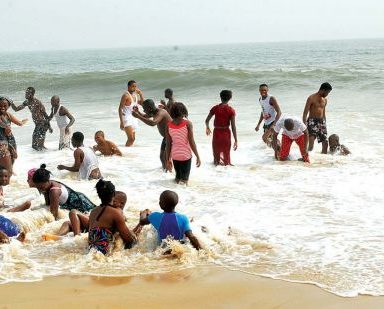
70 117
306 110
259 123
144 217
168 149
233 126
194 241
126 234
79 157
276 106
192 143
207 120
54 202
17 108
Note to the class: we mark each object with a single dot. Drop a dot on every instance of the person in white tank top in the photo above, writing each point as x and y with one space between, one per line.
62 114
270 113
86 162
130 101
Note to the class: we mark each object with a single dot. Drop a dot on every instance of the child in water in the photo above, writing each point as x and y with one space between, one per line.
335 147
107 148
169 223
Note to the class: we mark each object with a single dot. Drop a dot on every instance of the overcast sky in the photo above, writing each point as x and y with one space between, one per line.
74 24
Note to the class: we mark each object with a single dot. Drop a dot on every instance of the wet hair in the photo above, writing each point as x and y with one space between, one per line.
225 95
263 85
31 90
99 132
150 104
170 199
178 110
289 124
326 87
333 137
168 91
105 191
78 137
131 82
41 175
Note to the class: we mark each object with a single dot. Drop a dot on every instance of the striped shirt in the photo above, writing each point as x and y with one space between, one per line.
180 148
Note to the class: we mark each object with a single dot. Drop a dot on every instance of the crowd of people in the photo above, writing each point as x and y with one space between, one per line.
177 146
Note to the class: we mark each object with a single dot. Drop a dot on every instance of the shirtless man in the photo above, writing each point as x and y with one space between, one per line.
129 99
39 116
168 93
270 113
107 148
160 118
316 121
85 160
61 114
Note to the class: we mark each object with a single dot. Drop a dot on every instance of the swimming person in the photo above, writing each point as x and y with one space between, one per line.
39 116
105 220
169 223
58 195
160 118
316 120
270 113
180 143
85 160
62 114
130 99
335 147
293 130
221 142
106 148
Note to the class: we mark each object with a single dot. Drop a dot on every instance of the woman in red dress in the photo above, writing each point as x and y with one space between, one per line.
221 142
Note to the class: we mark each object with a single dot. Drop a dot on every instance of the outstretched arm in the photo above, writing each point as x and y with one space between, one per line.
17 121
144 217
78 154
233 125
144 118
18 108
192 143
194 241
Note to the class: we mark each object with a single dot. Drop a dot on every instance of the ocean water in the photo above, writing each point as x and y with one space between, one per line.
319 223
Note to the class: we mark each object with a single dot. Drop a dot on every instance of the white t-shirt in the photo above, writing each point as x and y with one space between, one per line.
298 128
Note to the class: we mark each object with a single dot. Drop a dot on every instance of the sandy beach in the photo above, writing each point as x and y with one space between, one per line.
208 287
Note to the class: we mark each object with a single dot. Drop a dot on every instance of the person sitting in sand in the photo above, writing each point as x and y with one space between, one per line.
168 94
105 220
4 181
85 160
180 144
10 229
160 118
169 224
8 147
335 147
221 142
62 114
293 130
58 195
107 148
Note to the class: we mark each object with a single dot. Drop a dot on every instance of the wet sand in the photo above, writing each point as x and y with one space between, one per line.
194 288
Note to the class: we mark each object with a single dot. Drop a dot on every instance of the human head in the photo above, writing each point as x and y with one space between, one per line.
77 139
168 93
325 89
30 174
289 124
168 200
99 137
55 101
119 200
132 86
225 95
4 176
29 93
4 105
263 89
178 110
106 191
333 141
41 178
149 107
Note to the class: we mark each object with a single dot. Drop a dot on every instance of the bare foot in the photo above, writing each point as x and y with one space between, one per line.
21 237
4 239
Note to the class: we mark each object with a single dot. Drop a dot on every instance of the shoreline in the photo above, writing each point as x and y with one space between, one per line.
190 288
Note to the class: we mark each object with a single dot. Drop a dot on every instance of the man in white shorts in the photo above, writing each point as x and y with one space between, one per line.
129 100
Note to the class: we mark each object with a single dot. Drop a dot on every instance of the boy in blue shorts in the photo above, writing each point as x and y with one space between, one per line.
169 223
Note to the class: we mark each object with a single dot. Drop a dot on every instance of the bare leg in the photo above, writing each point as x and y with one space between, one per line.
311 142
78 221
21 237
26 205
162 159
324 145
130 131
7 163
4 239
65 228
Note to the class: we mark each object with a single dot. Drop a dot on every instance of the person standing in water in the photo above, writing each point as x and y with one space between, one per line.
221 141
130 99
316 121
168 94
160 118
270 113
85 160
39 116
62 114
